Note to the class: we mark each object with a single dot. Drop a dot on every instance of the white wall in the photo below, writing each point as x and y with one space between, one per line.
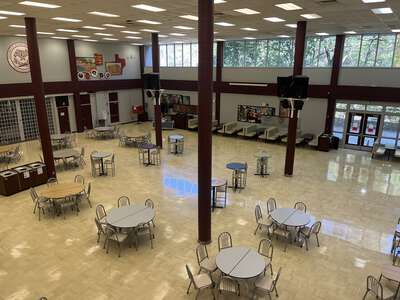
109 50
370 77
54 60
260 75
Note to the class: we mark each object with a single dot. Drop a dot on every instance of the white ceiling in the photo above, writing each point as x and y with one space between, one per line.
338 16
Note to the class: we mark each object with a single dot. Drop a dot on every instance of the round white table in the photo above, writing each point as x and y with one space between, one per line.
104 128
58 137
104 131
130 216
240 262
290 217
65 153
100 156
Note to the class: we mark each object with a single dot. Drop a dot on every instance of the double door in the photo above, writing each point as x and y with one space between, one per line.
362 130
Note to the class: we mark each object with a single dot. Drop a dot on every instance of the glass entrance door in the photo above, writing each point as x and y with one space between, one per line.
362 130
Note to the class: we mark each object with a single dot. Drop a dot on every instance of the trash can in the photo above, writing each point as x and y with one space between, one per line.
324 142
25 176
335 142
39 173
9 183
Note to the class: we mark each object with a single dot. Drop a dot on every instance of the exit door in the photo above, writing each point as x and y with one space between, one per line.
63 118
362 130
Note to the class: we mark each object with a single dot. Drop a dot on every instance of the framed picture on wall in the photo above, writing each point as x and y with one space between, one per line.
114 68
254 114
85 64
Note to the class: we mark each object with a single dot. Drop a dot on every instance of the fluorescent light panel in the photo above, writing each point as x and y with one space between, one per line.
2 18
103 34
59 37
163 35
184 27
149 22
67 30
110 39
148 7
130 32
17 26
219 1
311 16
291 25
94 27
103 14
81 36
288 6
396 30
373 1
225 24
177 34
133 37
274 19
45 33
322 33
350 32
136 44
246 11
379 11
11 13
89 40
39 4
65 19
190 17
283 36
249 29
114 25
149 30
20 34
249 38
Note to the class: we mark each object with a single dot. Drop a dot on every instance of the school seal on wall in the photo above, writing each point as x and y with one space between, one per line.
18 58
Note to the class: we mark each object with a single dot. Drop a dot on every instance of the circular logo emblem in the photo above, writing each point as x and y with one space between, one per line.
18 58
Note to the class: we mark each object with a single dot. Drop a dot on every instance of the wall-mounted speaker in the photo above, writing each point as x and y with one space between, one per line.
293 87
151 81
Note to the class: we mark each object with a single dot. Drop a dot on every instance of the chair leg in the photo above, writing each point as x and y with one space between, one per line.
317 239
365 295
306 239
258 226
190 284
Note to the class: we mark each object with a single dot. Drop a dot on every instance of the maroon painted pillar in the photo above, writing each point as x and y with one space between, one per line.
74 78
220 64
336 63
38 93
141 57
297 70
156 69
205 69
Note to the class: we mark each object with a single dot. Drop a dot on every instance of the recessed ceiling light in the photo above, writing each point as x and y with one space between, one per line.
149 7
39 4
59 37
162 35
133 37
114 25
382 11
17 26
89 40
130 32
288 6
396 30
2 18
373 1
94 27
11 13
216 32
103 34
219 40
226 24
350 32
246 11
20 34
322 33
110 39
81 36
291 25
219 1
184 27
136 44
249 38
67 19
283 36
249 29
45 33
190 17
274 19
177 34
178 42
311 16
149 22
67 30
149 30
103 14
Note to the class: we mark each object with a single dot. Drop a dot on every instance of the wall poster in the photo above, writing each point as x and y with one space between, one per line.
254 114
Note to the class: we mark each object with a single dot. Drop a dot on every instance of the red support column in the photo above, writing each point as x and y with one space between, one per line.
205 69
220 64
297 70
336 64
74 78
38 93
156 69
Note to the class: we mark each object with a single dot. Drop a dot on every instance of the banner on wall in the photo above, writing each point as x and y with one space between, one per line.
18 58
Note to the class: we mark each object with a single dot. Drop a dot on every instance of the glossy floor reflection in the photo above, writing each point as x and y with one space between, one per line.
356 199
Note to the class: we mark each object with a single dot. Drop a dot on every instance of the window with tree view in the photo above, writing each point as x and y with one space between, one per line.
372 50
319 51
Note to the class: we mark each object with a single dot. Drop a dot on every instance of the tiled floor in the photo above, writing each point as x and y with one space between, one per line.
356 199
